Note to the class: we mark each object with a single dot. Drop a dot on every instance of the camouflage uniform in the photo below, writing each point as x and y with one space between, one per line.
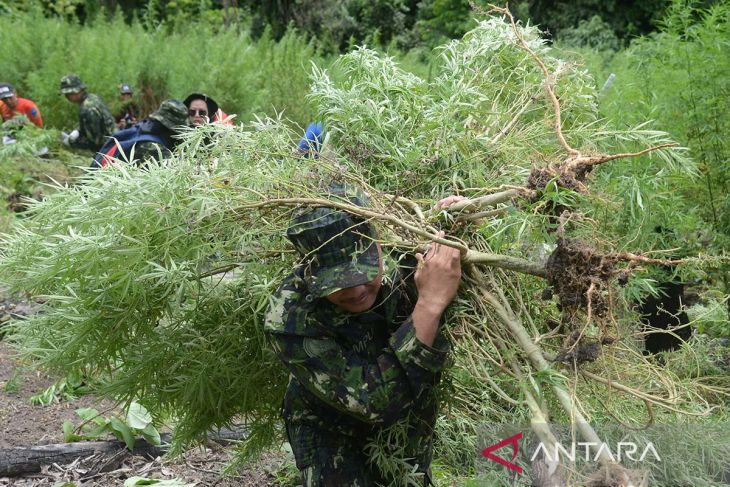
172 114
351 374
95 120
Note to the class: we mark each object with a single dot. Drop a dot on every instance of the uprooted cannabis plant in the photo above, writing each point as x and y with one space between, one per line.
156 281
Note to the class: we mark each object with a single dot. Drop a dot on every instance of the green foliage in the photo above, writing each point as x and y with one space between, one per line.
625 20
22 138
13 384
23 174
287 474
680 78
66 389
138 423
455 130
594 33
711 317
336 25
440 20
183 15
206 330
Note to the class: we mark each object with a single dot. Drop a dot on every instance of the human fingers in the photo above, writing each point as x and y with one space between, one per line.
434 248
448 201
447 256
420 261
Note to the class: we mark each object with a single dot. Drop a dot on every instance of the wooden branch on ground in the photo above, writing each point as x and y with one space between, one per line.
21 460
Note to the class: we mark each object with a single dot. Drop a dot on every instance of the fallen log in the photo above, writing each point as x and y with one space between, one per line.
21 460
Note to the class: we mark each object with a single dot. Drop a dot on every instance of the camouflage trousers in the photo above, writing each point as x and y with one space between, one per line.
338 462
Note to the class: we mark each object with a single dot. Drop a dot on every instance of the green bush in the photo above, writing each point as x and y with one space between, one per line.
595 33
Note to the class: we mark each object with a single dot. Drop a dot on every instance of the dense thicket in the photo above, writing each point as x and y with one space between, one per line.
339 24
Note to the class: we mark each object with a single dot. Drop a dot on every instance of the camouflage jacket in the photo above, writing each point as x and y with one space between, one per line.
153 150
96 123
352 374
150 150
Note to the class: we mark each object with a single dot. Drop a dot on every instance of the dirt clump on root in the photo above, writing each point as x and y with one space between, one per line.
584 351
17 202
579 274
580 349
540 178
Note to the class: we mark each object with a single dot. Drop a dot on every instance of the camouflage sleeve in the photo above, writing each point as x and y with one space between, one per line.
93 127
377 391
90 132
149 150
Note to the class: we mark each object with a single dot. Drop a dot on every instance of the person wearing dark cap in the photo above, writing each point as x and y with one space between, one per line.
11 106
203 109
360 336
153 138
129 111
95 120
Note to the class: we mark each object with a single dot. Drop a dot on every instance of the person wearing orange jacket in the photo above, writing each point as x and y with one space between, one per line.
11 106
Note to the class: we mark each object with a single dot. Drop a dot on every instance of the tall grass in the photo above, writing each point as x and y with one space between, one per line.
244 76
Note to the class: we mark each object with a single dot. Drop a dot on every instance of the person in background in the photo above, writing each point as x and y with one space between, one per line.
153 138
129 111
95 120
203 109
311 144
11 106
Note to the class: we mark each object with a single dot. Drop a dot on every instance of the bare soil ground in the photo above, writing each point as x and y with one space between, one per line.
24 424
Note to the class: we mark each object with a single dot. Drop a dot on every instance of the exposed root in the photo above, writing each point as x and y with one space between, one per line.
572 171
573 269
614 475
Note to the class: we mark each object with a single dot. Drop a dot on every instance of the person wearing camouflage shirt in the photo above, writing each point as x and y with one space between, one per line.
360 337
95 120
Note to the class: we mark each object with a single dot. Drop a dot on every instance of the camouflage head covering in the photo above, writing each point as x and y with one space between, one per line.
339 248
172 114
71 84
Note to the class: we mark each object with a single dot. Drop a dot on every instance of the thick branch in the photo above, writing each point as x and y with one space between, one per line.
505 262
487 200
